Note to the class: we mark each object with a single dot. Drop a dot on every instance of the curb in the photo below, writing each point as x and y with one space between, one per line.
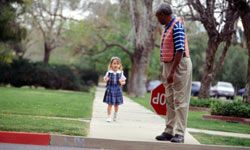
83 142
24 138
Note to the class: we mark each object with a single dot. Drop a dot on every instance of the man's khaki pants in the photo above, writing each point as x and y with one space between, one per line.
177 96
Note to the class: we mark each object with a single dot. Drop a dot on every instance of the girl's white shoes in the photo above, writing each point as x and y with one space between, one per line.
109 119
114 118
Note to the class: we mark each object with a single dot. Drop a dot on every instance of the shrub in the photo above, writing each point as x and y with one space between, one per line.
201 102
235 109
5 73
23 73
20 73
89 77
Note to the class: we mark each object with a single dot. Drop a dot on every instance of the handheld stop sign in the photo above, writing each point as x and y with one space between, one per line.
158 100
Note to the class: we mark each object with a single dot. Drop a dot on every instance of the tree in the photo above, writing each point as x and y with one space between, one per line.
11 32
113 33
142 38
219 31
10 29
243 8
48 17
143 42
197 44
234 71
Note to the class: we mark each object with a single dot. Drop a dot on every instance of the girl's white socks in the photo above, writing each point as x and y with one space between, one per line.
115 116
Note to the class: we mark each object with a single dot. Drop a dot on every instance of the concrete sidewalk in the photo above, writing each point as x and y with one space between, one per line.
134 123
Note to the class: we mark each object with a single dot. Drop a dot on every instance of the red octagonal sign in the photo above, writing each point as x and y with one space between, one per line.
158 100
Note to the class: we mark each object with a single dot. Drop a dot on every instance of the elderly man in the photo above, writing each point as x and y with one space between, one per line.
176 74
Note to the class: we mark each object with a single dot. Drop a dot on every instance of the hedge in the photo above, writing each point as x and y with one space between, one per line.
201 102
21 72
234 109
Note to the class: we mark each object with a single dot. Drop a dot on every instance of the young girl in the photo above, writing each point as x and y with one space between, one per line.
115 79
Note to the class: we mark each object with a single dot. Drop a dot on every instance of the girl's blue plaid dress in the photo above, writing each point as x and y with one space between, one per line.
113 93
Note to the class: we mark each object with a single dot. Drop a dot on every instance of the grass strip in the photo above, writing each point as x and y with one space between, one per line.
45 111
195 120
221 140
40 102
43 125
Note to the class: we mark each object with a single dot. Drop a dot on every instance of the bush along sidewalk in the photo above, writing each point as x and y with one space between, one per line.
233 109
201 102
21 72
236 108
230 111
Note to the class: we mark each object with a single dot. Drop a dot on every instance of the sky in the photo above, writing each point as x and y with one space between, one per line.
80 14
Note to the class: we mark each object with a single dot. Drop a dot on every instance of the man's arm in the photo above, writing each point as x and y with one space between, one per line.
177 60
179 42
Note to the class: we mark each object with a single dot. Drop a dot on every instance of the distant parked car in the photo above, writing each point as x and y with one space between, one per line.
245 96
223 89
152 85
196 85
242 92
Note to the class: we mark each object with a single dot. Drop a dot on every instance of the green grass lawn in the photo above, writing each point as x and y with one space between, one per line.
25 109
42 125
195 120
144 101
221 140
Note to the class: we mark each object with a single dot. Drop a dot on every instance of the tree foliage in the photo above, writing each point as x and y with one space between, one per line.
94 40
243 8
133 34
234 69
218 18
197 45
49 17
10 30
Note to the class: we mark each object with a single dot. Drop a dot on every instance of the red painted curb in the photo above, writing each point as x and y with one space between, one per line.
24 138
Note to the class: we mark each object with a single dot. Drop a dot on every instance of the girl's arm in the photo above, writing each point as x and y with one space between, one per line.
106 78
122 80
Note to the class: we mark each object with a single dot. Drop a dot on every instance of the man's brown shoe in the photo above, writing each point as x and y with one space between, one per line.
164 137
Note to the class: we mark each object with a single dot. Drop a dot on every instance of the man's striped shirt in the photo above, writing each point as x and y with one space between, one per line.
178 35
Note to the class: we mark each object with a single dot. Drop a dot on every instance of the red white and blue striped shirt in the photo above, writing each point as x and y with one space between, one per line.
178 35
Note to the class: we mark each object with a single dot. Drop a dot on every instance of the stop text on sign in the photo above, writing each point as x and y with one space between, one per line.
159 99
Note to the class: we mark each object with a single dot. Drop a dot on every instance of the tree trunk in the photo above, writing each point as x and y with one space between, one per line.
209 67
143 29
248 77
244 10
47 50
138 77
206 12
245 17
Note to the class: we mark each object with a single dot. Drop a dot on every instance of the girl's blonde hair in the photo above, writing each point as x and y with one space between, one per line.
115 58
